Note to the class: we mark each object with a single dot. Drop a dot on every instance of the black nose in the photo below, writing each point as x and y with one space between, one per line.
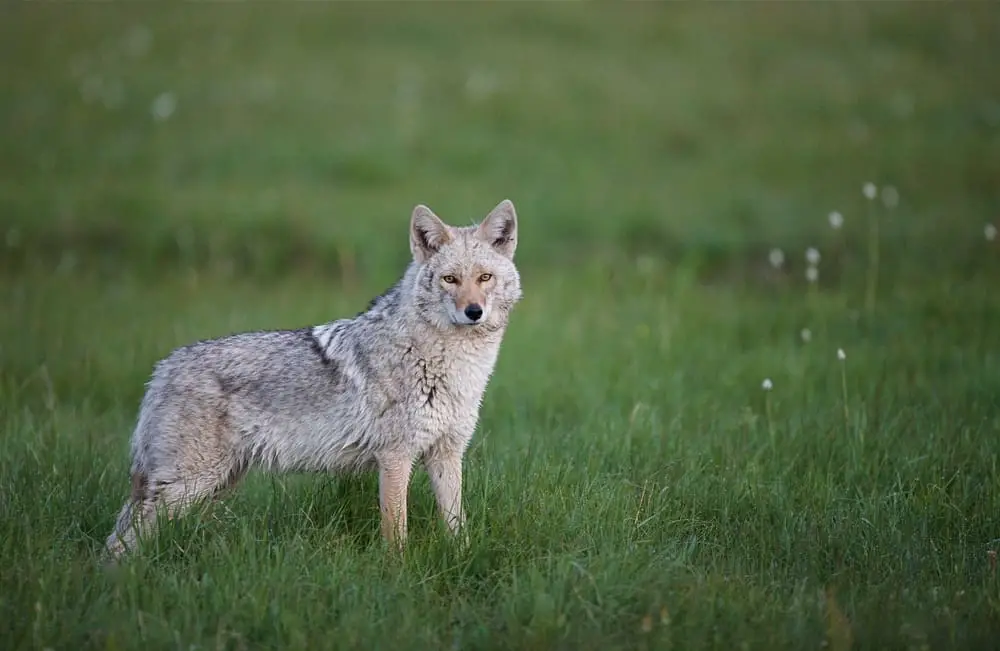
473 311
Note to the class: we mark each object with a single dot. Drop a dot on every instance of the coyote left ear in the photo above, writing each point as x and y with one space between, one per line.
500 228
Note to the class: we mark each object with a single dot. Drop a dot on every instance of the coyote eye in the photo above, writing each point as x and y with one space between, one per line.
451 280
485 277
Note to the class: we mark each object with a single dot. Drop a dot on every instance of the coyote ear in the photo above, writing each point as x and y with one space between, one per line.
500 228
427 233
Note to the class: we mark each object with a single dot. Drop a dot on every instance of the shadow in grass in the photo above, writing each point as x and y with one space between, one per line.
293 511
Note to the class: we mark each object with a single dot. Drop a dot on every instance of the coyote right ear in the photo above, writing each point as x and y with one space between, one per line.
427 233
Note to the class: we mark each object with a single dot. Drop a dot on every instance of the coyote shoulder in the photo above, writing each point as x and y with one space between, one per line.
402 381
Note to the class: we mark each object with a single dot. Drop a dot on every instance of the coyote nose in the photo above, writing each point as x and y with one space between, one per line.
473 311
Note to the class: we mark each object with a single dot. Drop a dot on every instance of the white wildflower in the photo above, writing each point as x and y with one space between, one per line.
841 355
812 256
869 190
646 264
890 196
163 106
481 84
836 220
806 335
766 385
812 274
990 231
776 257
138 40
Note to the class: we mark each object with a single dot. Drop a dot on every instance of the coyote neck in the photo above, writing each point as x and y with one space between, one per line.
457 354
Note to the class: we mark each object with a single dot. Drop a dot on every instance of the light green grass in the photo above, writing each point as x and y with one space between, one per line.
626 488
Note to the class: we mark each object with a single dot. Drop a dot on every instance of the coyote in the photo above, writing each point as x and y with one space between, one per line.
399 382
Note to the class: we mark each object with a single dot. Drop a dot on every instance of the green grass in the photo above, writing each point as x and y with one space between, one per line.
631 484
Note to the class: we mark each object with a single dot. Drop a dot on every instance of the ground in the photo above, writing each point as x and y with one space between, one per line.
176 175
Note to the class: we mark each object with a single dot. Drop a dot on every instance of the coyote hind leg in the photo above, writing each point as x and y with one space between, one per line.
136 517
139 514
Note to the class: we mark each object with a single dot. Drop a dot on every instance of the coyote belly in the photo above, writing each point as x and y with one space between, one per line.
402 381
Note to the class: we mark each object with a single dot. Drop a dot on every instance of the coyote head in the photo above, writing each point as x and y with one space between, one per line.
466 276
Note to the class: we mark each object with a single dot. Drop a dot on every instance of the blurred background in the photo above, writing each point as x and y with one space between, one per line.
269 140
175 174
690 181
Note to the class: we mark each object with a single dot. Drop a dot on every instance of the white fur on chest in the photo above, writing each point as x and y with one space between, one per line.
447 381
441 388
419 390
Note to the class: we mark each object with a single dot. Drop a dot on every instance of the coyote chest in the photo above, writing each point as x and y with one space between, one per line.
445 383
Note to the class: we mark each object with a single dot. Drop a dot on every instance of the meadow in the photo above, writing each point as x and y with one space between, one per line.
672 453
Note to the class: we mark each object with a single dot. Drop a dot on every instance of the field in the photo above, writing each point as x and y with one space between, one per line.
176 175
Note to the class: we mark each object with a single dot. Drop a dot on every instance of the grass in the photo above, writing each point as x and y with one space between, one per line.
631 484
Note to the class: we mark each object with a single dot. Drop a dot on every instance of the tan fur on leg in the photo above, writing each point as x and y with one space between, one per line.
444 466
394 483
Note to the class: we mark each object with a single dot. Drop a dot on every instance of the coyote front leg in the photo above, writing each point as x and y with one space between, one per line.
393 484
444 465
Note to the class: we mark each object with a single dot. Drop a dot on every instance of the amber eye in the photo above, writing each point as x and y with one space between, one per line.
485 277
451 280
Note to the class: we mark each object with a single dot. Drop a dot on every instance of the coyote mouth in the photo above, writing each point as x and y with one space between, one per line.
466 323
460 319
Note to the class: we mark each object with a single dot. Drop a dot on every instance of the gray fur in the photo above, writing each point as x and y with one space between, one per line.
402 381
